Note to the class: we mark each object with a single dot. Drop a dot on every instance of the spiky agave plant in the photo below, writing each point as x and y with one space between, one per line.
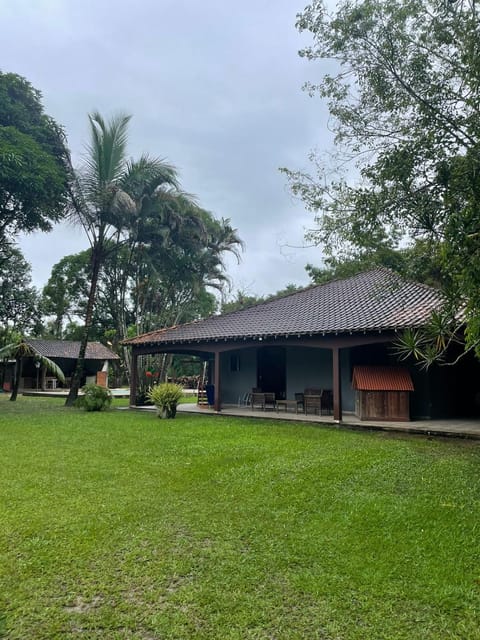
21 350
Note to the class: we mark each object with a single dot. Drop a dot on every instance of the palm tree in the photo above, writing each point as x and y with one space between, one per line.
109 199
101 207
136 211
146 180
19 351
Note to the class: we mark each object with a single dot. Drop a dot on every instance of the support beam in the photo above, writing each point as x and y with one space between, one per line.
337 385
217 403
133 378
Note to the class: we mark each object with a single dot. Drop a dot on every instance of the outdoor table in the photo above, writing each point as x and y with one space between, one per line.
286 404
51 383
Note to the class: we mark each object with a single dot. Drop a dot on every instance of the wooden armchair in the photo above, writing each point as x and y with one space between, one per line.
327 401
258 400
300 400
269 401
313 400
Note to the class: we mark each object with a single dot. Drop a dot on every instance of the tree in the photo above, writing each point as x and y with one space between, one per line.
156 253
115 201
100 206
243 300
34 162
19 300
171 254
20 350
420 262
404 101
65 295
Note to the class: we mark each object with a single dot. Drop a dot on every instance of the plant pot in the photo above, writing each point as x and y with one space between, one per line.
167 412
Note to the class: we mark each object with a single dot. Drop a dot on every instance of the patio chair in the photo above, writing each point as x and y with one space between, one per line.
327 401
313 400
269 400
245 400
300 400
258 401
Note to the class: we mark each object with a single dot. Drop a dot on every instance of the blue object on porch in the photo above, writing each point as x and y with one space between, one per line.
210 389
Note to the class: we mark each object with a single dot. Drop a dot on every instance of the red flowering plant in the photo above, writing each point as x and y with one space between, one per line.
148 376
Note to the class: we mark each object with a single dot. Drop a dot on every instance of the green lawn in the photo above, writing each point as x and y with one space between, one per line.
121 525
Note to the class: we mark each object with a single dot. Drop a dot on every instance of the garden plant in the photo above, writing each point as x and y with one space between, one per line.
95 398
165 397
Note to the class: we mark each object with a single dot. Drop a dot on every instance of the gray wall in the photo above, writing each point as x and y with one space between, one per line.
236 383
306 367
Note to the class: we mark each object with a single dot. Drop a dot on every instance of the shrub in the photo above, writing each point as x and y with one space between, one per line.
166 398
142 398
95 398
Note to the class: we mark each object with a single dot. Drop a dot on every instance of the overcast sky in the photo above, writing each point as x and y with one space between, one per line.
214 87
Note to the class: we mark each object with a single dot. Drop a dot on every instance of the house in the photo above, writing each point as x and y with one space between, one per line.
65 354
314 338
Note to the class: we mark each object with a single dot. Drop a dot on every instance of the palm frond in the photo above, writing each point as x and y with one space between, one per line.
52 367
23 350
105 161
144 176
8 351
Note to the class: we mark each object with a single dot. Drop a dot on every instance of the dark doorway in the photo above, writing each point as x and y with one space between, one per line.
271 370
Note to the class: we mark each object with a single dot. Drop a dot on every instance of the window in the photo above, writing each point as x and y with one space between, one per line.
235 363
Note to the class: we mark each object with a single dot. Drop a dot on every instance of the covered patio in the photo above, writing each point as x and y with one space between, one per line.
315 338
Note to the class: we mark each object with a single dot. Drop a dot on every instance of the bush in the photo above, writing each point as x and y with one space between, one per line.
95 398
166 398
142 399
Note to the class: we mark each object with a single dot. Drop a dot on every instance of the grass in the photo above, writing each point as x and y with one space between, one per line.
118 525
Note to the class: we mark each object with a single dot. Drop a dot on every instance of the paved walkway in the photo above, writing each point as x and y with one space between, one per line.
461 428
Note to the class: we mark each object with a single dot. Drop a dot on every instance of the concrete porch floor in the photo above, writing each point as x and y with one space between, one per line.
458 428
461 428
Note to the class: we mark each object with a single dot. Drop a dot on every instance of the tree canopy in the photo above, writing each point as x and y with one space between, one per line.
404 98
19 304
153 250
34 162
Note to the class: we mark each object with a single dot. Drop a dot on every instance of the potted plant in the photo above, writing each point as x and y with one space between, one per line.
165 397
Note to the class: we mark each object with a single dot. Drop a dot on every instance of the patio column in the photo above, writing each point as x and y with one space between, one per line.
133 378
337 385
217 401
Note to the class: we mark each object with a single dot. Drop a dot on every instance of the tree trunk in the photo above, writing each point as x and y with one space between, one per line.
80 366
18 376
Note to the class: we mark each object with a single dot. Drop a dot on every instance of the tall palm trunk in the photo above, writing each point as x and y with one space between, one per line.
80 366
18 377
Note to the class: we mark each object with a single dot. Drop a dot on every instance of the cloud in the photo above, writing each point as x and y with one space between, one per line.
213 87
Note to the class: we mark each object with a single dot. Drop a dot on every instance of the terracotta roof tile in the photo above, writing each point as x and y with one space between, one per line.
375 300
70 349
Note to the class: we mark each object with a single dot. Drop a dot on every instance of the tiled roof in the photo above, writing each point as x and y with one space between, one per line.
70 349
381 379
375 300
